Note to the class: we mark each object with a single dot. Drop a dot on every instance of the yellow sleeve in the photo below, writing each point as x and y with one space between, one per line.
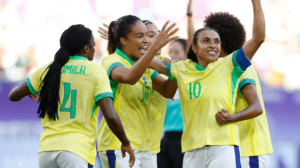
102 88
109 63
247 77
34 80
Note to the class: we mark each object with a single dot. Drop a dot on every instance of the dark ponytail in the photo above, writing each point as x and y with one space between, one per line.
71 41
120 28
191 55
112 43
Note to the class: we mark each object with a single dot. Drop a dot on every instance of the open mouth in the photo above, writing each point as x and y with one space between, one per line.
142 49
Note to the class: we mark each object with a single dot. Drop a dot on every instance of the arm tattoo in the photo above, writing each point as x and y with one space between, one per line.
255 97
248 87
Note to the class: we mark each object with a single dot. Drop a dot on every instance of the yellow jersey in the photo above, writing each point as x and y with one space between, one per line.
254 133
158 106
130 102
82 84
203 92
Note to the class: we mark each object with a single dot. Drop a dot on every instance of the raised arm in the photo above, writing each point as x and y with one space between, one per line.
253 110
131 76
114 123
190 26
258 32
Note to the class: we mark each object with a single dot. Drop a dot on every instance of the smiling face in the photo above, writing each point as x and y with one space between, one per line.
136 42
152 33
208 46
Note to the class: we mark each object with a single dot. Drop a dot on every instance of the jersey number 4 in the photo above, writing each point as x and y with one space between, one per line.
72 109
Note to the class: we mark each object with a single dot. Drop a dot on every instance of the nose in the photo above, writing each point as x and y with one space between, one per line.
212 44
145 40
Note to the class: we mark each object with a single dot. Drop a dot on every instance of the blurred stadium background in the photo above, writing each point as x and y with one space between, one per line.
29 37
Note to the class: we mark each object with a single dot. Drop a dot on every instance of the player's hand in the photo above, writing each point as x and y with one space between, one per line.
103 32
223 116
168 61
129 150
189 7
164 36
34 97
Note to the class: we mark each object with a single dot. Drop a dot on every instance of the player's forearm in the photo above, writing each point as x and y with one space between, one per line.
159 66
112 119
190 32
252 111
170 88
259 31
115 125
138 69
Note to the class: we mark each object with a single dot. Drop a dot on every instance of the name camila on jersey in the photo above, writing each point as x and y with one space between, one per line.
73 69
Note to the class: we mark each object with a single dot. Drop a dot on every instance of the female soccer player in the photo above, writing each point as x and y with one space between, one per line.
255 138
71 88
131 83
207 84
157 102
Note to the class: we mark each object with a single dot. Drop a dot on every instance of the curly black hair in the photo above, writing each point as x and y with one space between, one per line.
230 29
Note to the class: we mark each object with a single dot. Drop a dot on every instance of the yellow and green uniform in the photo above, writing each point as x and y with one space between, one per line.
158 106
203 92
82 84
254 133
130 102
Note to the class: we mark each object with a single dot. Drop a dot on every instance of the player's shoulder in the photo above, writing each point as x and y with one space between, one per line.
188 63
112 58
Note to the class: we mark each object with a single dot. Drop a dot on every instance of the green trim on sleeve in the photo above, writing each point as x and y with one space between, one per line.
154 75
113 66
102 95
99 97
244 82
168 68
31 87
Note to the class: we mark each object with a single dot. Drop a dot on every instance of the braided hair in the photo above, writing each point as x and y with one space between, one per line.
120 28
71 42
191 55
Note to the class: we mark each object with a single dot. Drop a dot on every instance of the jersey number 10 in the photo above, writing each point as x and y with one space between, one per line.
195 90
72 109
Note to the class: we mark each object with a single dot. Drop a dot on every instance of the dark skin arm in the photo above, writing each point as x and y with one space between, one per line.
114 123
21 91
253 110
190 27
258 31
166 88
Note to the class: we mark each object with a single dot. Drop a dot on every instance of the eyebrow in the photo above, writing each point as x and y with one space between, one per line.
151 32
140 33
209 38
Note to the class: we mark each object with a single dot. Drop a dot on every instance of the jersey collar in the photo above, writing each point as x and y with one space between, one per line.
77 57
120 53
200 68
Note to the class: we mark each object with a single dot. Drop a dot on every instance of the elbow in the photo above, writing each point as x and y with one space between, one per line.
12 97
260 39
259 111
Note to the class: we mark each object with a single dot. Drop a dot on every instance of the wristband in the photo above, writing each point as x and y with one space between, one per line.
189 14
